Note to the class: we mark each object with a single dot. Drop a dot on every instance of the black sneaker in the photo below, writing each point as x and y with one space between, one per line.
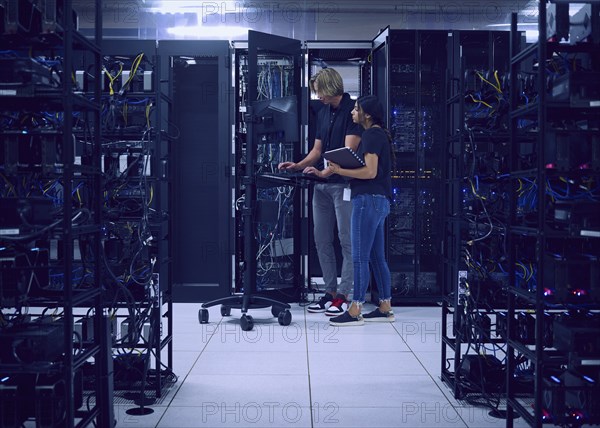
320 305
378 316
346 320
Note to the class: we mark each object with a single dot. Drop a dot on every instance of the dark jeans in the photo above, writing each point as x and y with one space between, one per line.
368 219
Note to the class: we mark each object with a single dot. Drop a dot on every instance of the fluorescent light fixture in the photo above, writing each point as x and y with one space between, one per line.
531 36
520 25
531 9
226 32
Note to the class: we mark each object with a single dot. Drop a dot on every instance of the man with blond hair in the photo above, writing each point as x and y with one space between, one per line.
331 204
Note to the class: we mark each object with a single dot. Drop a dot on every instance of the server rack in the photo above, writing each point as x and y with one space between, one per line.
268 73
382 68
51 221
408 76
136 204
553 231
266 252
475 271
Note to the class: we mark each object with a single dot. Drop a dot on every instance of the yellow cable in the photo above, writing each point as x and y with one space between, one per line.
475 192
134 67
112 79
524 269
479 101
497 88
151 195
10 185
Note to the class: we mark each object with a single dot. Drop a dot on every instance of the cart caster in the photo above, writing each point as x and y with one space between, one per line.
225 311
284 317
203 316
276 310
246 322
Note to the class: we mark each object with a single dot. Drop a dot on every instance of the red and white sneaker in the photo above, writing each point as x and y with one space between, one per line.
336 307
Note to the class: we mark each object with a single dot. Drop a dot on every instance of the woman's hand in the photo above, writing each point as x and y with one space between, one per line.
334 168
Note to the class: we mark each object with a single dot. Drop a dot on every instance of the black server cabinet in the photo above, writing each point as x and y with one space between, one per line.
408 76
196 77
266 99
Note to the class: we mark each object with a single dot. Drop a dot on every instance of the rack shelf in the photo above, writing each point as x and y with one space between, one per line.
476 139
43 107
551 270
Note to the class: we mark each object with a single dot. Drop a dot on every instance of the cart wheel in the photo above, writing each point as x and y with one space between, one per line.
247 322
276 310
203 316
284 317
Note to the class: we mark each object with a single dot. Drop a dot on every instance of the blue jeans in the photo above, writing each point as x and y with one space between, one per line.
368 219
329 209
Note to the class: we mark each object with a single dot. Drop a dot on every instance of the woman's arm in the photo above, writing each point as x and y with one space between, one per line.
367 172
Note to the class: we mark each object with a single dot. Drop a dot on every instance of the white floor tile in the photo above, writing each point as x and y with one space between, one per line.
183 361
365 363
252 414
264 337
421 334
251 362
386 374
240 390
431 361
125 420
479 417
376 390
411 415
347 339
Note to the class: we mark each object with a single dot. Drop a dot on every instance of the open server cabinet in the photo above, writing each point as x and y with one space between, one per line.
351 60
406 70
266 102
266 131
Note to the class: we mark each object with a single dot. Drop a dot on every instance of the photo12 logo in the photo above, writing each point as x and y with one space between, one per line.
261 334
268 413
253 13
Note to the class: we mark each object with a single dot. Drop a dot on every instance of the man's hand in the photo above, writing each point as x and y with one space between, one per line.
289 166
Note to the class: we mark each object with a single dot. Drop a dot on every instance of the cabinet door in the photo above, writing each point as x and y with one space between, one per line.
198 76
268 247
380 74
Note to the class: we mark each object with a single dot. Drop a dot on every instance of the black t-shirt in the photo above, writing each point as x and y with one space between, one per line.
332 127
375 140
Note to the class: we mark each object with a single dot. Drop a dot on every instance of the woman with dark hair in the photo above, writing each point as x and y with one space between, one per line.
371 188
